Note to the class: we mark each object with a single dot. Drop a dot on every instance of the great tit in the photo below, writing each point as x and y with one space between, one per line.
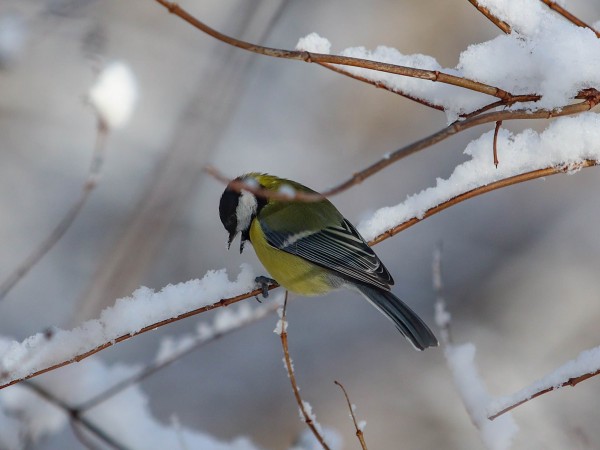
309 248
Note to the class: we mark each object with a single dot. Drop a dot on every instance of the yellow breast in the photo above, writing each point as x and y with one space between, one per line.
290 271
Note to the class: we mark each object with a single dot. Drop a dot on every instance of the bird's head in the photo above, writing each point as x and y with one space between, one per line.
237 209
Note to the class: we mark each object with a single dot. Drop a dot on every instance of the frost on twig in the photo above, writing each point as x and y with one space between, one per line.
358 426
305 409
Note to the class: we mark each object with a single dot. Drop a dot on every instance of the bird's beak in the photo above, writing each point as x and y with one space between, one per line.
231 238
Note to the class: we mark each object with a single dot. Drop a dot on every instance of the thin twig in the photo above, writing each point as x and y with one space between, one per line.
515 99
68 219
570 17
240 185
457 127
290 370
81 436
570 382
175 356
381 85
431 75
397 155
74 414
495 143
359 432
382 237
492 18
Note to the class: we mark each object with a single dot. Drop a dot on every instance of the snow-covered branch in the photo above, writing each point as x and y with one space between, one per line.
584 367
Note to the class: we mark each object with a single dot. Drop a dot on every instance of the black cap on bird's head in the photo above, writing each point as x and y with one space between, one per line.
227 212
237 208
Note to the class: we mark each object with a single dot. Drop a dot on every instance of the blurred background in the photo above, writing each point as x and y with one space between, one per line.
520 265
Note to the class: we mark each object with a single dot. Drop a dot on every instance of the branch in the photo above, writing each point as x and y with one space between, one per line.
567 15
457 127
359 432
383 236
570 382
380 85
74 415
309 418
397 155
199 341
540 173
431 75
492 18
68 219
82 356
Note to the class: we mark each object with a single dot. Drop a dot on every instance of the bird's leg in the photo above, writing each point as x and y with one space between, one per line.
263 283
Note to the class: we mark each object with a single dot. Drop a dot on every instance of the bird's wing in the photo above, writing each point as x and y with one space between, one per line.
337 248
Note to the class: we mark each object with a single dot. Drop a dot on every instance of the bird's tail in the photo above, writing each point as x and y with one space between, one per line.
405 319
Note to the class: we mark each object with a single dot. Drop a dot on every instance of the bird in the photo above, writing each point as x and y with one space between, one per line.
310 248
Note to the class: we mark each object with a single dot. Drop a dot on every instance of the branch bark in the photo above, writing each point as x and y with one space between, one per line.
310 57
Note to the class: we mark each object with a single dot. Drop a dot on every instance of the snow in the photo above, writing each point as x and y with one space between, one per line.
545 55
497 434
114 95
587 362
133 427
144 307
566 142
314 43
281 326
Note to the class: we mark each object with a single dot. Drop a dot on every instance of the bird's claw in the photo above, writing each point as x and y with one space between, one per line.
263 283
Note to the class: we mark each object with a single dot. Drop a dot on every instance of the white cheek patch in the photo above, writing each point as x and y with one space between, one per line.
246 209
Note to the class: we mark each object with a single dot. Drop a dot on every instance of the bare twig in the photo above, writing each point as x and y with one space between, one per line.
68 219
82 437
431 75
290 370
359 432
567 15
492 18
495 144
175 356
239 185
570 382
381 85
515 99
74 415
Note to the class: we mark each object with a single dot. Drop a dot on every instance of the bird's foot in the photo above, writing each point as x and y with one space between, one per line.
263 284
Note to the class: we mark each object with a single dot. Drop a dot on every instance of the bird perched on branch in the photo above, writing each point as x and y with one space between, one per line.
309 248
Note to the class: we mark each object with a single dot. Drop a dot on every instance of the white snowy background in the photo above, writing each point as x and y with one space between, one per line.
520 264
